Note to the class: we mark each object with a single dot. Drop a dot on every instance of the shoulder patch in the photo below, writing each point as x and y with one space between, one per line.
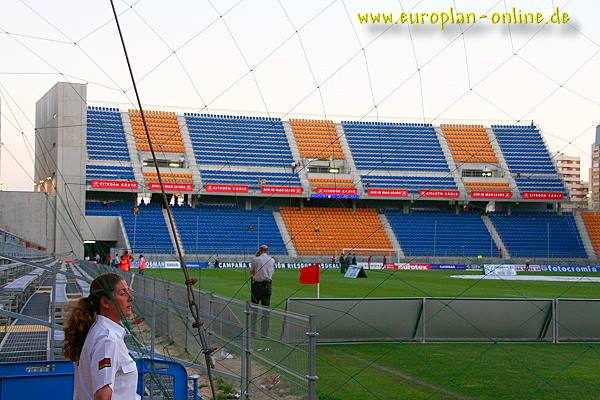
104 363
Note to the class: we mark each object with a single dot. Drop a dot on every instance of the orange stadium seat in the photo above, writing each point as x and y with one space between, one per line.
317 230
163 128
487 186
469 143
592 224
317 139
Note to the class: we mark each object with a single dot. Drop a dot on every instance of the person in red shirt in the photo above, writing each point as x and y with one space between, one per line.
125 264
141 265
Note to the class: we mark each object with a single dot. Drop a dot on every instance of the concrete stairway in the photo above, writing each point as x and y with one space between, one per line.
385 223
289 134
502 163
285 234
349 159
450 160
189 153
173 234
496 236
136 163
585 237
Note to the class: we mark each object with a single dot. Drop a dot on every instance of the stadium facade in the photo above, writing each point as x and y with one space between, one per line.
309 188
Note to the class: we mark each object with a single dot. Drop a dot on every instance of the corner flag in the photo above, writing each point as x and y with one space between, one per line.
310 275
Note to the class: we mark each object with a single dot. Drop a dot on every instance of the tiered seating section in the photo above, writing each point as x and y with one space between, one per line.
109 172
469 143
539 234
105 135
227 230
254 180
147 232
391 146
317 230
233 140
433 233
411 183
168 177
331 182
487 186
524 150
317 139
546 184
163 128
592 224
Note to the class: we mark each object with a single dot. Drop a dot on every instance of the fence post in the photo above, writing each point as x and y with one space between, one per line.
424 319
246 354
555 327
312 358
152 327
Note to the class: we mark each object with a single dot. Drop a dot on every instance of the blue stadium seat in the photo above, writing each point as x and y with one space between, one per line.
392 146
235 140
227 230
433 233
147 232
539 234
105 135
252 179
412 183
109 172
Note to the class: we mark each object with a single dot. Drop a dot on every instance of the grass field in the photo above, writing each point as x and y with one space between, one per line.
432 371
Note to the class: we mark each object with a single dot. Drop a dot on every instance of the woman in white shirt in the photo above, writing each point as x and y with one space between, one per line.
104 370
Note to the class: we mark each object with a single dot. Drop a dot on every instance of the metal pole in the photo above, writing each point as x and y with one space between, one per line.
424 319
312 358
197 221
134 231
52 319
152 328
246 354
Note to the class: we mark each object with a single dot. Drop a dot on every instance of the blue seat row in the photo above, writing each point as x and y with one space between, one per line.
105 134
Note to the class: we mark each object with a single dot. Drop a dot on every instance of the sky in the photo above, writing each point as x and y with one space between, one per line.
307 59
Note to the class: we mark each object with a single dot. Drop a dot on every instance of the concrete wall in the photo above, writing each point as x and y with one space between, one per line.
29 215
60 147
101 228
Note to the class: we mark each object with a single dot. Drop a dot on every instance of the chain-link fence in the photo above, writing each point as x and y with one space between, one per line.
270 352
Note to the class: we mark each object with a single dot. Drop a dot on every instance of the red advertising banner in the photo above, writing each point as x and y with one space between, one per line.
175 187
543 195
107 184
408 267
388 192
491 195
333 190
227 188
437 194
281 189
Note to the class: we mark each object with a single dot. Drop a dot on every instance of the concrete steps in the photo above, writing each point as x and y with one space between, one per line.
450 160
285 234
301 170
585 237
350 165
502 163
385 223
190 157
497 239
136 163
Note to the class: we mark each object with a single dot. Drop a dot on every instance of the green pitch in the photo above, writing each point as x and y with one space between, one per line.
432 371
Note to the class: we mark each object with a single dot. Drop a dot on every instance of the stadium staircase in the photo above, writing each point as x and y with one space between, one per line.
173 234
450 160
189 153
135 158
496 237
585 237
123 232
391 235
350 165
289 134
502 162
285 234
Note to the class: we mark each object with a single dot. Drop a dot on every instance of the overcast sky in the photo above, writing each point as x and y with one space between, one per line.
245 57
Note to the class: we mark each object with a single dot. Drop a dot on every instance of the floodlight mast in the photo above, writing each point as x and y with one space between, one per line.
189 282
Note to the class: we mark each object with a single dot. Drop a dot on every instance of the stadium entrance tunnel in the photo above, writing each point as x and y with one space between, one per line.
102 248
